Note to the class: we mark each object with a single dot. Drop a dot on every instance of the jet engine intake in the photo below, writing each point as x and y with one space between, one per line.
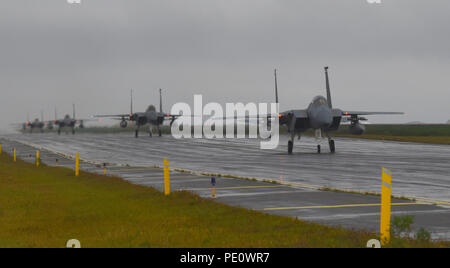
123 123
357 129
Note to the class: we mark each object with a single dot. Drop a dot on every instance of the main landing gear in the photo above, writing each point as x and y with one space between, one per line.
290 147
150 132
291 143
331 144
318 136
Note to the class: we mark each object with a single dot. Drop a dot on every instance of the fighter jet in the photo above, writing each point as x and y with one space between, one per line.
322 118
68 122
51 124
150 117
36 124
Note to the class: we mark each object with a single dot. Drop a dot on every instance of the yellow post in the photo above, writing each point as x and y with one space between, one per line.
15 155
213 183
385 222
77 164
37 159
166 177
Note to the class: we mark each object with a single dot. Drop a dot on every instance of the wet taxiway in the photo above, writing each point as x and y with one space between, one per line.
419 170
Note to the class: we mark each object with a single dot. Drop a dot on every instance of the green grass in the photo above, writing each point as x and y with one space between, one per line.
430 133
428 130
420 139
435 134
46 206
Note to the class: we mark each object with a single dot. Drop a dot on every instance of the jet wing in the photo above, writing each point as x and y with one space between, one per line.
114 116
19 124
296 113
247 117
85 120
353 113
172 116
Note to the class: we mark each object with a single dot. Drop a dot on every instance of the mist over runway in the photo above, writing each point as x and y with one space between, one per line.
419 170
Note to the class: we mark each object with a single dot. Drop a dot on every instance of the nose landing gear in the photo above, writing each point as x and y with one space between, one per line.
290 147
332 146
136 134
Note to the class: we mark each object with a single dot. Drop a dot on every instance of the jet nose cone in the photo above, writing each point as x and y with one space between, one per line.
324 118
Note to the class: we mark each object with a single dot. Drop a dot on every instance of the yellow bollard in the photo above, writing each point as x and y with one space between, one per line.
104 169
213 183
386 192
77 164
37 159
15 155
166 177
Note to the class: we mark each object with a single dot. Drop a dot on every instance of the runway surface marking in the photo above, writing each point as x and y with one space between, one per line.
435 202
233 188
347 206
132 169
254 194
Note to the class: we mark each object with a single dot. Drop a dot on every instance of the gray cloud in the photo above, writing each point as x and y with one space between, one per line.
392 56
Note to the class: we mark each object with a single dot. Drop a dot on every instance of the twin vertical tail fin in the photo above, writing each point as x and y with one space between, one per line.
328 88
276 87
131 106
160 101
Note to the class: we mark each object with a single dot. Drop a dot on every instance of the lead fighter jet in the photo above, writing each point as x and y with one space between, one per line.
150 116
321 117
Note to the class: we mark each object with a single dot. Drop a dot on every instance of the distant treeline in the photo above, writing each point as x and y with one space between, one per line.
403 130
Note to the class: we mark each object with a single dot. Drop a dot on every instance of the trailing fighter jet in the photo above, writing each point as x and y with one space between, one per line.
322 117
36 124
150 117
68 122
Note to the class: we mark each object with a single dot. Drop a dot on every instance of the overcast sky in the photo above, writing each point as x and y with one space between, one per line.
389 57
